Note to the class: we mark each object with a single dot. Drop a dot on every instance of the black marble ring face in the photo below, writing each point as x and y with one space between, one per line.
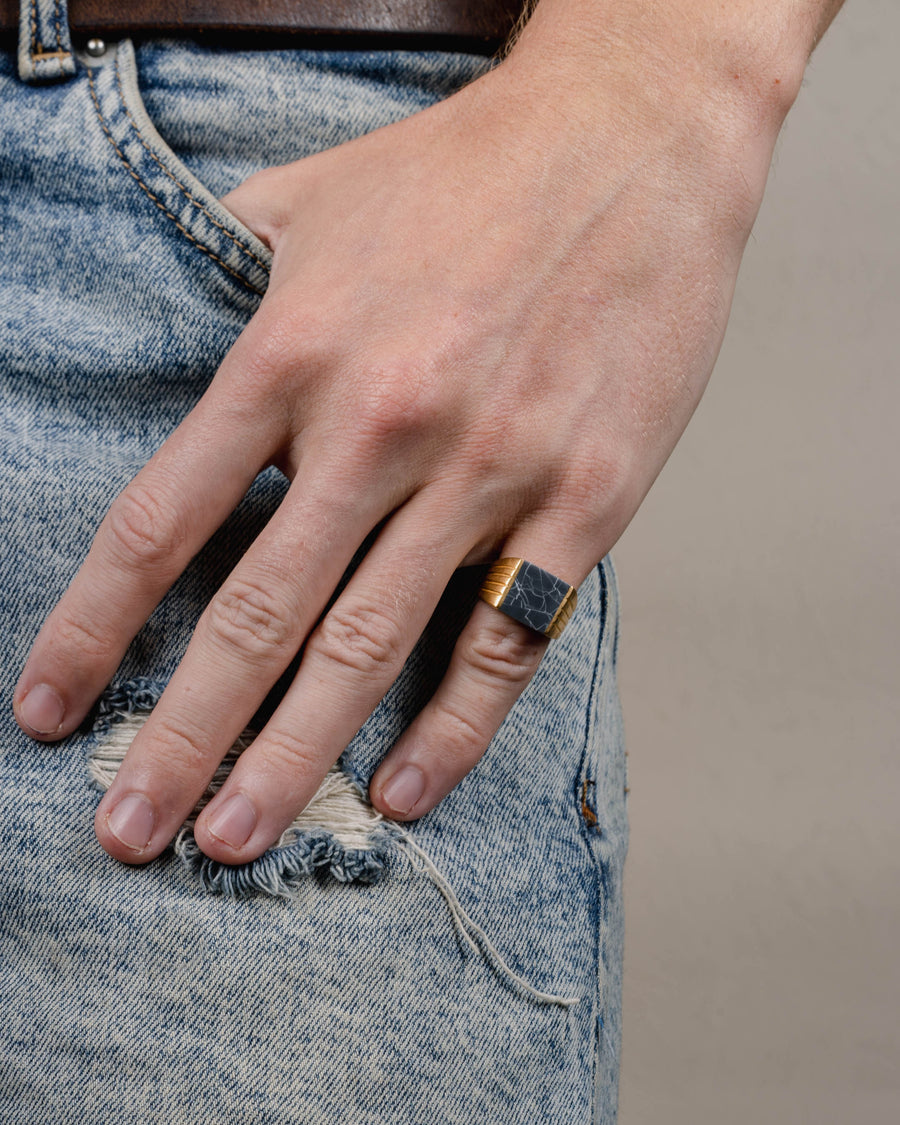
534 597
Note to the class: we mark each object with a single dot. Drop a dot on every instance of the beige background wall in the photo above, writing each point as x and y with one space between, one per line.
761 655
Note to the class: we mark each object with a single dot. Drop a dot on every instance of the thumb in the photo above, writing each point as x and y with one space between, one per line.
261 204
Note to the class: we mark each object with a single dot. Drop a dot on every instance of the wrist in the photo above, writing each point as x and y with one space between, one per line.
744 55
695 89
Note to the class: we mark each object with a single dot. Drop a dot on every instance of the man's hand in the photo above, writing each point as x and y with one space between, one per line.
487 326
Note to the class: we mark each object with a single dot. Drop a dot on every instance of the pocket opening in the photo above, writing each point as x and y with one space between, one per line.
166 183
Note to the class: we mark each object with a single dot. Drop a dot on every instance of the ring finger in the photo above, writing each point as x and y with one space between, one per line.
493 661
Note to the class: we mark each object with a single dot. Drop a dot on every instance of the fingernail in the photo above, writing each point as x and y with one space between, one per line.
234 822
42 709
404 790
131 821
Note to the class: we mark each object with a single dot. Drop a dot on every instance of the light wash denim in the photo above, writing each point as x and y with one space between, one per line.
462 969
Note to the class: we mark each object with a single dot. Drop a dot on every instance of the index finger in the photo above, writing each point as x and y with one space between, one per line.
147 538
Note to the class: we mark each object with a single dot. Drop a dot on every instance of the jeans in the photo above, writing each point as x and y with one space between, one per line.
464 968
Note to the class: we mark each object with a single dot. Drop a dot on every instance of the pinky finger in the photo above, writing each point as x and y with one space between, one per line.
493 661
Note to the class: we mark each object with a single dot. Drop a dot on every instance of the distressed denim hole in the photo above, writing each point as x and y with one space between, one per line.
338 833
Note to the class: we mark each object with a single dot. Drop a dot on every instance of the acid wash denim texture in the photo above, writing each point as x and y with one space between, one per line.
462 969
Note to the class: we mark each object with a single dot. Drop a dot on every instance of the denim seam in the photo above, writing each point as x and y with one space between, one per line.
162 207
196 202
585 829
599 662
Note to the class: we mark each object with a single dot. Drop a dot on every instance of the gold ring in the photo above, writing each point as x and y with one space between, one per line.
530 595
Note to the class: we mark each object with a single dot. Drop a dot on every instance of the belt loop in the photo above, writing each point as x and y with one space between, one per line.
45 45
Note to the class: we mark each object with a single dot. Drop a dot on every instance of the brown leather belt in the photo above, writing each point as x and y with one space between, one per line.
481 24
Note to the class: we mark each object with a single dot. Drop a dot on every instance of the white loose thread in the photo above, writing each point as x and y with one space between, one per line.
467 926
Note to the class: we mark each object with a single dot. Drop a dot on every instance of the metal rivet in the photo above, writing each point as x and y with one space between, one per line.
95 48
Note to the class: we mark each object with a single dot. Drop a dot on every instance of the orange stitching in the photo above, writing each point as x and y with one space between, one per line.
161 206
38 54
586 811
61 54
196 202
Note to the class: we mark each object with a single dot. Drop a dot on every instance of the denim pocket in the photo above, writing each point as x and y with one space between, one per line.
177 194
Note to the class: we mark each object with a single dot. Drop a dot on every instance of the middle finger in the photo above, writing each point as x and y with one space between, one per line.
349 662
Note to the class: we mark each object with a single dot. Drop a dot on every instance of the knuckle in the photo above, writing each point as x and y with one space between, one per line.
398 399
362 639
179 753
142 532
492 463
88 639
486 462
605 477
287 753
248 617
291 340
591 495
296 342
583 488
503 652
462 736
283 347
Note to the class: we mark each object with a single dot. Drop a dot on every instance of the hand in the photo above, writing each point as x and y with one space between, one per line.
486 326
